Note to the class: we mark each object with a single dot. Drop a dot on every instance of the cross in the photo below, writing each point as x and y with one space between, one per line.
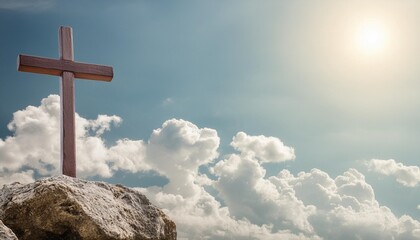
67 69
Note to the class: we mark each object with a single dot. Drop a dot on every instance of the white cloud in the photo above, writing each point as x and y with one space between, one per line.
177 141
265 149
408 176
249 195
307 206
236 201
345 206
36 143
203 217
177 150
312 203
22 177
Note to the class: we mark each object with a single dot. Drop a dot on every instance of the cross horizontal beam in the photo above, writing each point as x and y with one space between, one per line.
56 67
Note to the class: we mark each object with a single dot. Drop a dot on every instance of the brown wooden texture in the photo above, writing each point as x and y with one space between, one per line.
67 69
68 133
66 43
56 67
68 139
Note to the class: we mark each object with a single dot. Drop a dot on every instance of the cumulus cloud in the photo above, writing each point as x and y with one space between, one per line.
36 142
265 149
309 205
408 176
177 150
236 200
346 207
198 214
249 195
25 149
177 141
203 217
22 177
250 205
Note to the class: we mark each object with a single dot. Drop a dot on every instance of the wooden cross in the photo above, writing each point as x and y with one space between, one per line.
67 69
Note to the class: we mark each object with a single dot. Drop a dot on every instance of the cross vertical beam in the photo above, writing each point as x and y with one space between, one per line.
68 138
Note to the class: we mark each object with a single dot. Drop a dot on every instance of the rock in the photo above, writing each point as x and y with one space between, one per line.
6 233
62 207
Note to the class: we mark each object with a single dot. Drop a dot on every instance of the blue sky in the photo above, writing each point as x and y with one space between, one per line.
304 81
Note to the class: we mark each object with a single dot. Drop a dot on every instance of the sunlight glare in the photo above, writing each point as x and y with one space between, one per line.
372 37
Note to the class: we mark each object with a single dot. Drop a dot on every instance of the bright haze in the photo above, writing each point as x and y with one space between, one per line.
241 119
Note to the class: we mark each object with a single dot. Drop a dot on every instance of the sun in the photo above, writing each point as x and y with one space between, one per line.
372 37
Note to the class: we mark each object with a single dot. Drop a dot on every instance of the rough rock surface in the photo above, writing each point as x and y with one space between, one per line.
6 233
69 208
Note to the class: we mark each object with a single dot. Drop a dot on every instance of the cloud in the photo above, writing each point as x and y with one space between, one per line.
250 205
24 150
249 195
408 176
311 203
265 149
177 141
345 206
203 217
177 150
22 177
235 200
26 4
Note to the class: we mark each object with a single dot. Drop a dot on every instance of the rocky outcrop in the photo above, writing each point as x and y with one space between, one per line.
6 233
69 208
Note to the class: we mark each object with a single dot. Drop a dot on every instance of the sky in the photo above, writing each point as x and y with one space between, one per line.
240 119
